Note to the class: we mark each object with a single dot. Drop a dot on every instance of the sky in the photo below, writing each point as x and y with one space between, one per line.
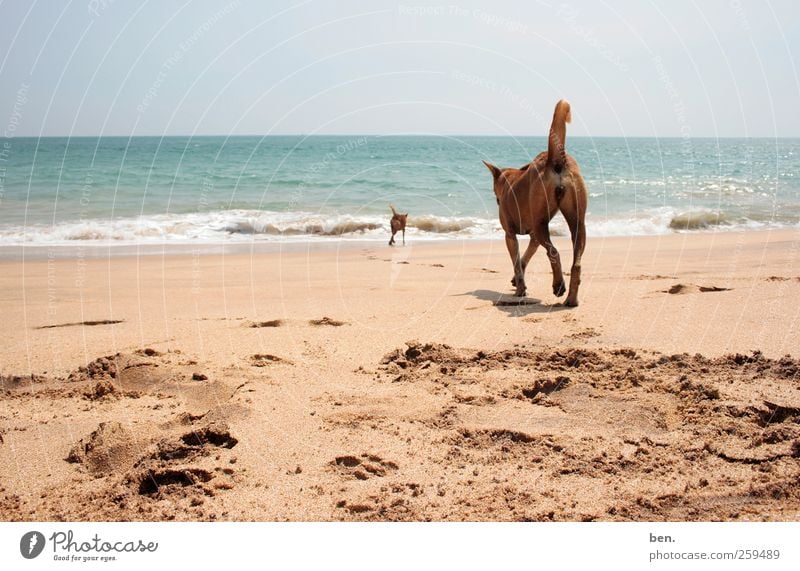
235 67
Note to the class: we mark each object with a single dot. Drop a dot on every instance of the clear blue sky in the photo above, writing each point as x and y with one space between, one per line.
632 68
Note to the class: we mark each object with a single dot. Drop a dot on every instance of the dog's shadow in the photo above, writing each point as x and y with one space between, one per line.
513 305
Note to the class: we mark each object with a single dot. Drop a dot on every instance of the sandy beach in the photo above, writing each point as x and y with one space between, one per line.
362 382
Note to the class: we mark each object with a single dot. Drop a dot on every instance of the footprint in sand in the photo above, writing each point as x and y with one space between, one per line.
363 467
148 352
587 333
147 373
327 321
264 359
169 468
172 465
86 323
545 386
682 289
271 323
654 277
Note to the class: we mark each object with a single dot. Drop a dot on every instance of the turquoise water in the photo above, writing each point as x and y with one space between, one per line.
217 189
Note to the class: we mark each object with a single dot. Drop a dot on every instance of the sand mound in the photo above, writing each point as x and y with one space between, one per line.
102 389
106 450
101 368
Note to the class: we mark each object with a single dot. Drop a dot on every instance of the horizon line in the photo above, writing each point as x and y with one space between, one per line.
380 135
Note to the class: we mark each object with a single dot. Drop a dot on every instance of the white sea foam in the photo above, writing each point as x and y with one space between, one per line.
238 226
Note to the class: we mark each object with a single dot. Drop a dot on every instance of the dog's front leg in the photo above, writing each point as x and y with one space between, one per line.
519 271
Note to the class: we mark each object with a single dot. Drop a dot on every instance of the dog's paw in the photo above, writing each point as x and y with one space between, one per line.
559 289
514 281
521 291
571 302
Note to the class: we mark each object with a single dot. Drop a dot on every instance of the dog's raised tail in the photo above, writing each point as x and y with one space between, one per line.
556 149
394 212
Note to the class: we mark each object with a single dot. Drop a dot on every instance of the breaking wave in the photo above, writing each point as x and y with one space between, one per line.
240 226
698 220
253 225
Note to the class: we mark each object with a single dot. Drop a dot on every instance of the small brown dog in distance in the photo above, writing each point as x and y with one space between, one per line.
529 197
398 223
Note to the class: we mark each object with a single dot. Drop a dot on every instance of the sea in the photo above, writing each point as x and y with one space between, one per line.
281 189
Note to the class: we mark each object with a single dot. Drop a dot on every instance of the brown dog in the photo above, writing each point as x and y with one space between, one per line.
529 197
398 223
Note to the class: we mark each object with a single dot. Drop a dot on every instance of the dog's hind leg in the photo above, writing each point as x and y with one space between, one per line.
404 236
526 257
519 273
391 240
542 235
574 217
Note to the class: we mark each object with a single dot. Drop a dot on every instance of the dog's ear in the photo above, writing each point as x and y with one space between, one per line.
492 169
